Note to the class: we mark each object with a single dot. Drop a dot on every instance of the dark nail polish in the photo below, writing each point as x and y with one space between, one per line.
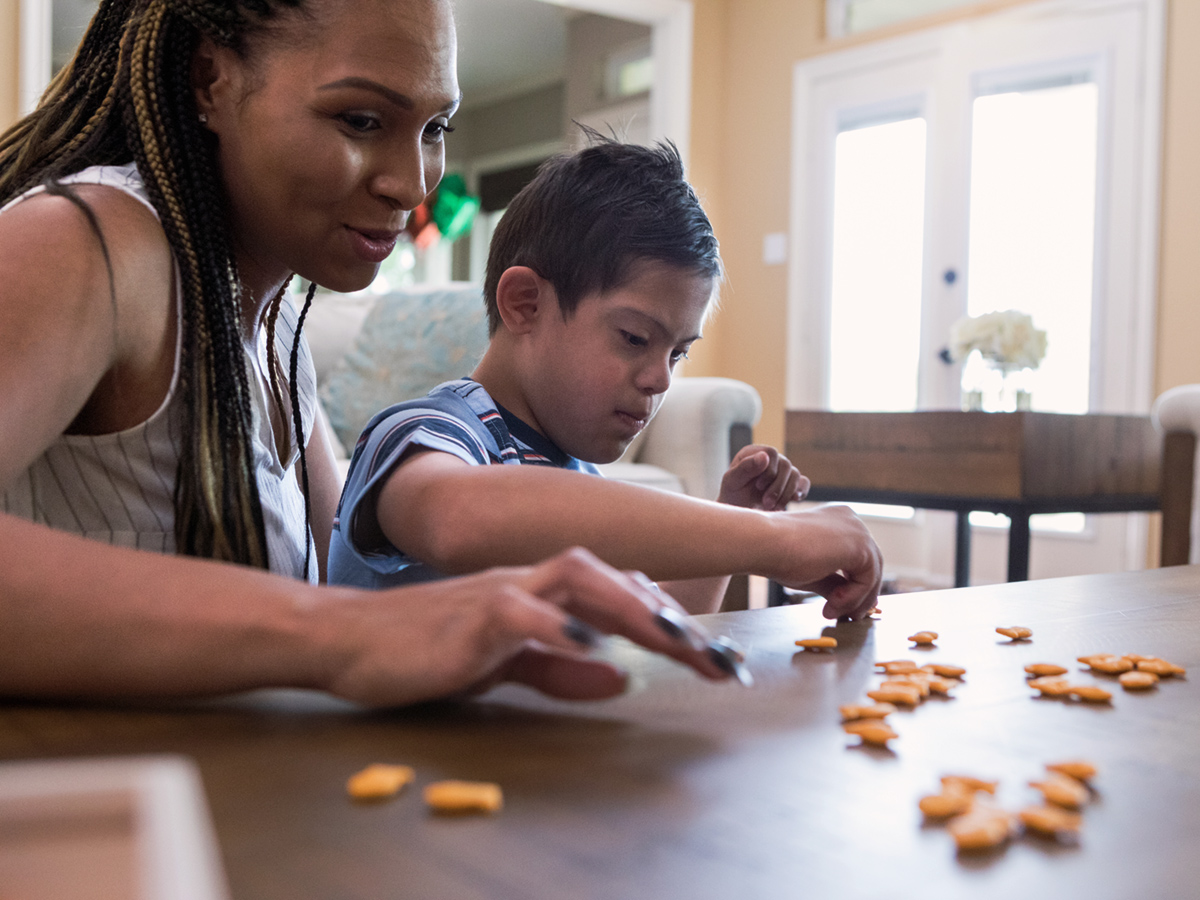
720 660
728 657
671 622
680 627
580 632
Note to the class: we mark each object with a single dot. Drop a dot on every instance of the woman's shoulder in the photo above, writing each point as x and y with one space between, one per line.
90 271
68 231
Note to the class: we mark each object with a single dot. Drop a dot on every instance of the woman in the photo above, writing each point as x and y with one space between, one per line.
193 156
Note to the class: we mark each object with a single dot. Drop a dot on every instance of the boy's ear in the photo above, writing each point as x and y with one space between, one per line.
522 298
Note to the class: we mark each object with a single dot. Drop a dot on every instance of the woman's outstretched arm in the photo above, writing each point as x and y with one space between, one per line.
81 619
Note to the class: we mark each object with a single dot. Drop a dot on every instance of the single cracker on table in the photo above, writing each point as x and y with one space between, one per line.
872 731
1137 680
464 796
1051 821
946 804
1089 693
897 666
894 692
982 828
379 781
944 670
1062 790
820 643
1079 769
1042 670
1108 663
1050 686
1159 667
1016 632
968 783
923 638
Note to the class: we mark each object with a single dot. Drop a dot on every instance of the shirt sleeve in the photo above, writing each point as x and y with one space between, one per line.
444 424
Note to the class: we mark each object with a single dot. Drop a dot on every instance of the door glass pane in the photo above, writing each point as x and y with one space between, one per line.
1032 232
1032 227
878 225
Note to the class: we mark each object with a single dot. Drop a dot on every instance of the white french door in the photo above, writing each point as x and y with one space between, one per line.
1006 162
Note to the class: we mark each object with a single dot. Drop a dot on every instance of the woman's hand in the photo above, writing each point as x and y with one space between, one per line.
530 625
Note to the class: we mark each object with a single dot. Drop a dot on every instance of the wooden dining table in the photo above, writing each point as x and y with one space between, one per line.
686 788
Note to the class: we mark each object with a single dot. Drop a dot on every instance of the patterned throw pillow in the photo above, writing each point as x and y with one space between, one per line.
411 341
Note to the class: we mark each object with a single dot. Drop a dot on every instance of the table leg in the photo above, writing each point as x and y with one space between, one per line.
1018 547
962 549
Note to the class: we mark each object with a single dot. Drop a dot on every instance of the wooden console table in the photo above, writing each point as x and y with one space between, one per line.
1018 464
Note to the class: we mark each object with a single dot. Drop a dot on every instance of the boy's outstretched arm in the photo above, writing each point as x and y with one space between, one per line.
461 518
759 477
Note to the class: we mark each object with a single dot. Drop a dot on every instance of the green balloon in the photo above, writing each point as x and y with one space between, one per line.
454 208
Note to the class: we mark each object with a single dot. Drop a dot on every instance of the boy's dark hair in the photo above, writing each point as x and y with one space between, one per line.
587 218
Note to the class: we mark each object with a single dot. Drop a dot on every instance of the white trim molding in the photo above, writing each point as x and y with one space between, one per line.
671 24
35 52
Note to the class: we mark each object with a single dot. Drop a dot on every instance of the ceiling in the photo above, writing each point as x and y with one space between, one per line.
504 46
508 46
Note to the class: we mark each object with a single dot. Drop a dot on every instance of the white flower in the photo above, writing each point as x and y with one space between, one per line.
1006 338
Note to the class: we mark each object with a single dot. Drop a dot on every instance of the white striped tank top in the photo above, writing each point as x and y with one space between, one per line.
119 488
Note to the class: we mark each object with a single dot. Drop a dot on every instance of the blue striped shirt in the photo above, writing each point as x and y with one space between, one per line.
457 417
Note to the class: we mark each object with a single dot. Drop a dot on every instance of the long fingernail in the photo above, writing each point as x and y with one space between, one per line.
646 581
580 632
728 657
679 626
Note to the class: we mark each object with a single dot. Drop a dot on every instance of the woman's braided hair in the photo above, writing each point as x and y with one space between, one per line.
127 96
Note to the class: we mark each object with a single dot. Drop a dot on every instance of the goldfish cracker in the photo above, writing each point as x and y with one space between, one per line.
379 781
821 643
464 796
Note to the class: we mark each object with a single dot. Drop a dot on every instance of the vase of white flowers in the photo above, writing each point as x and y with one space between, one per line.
998 351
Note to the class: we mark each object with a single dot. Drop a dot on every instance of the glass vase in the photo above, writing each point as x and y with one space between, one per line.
1006 388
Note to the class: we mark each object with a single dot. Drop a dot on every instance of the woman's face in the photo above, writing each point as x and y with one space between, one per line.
329 133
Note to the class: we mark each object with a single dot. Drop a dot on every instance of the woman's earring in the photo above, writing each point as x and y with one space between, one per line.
203 118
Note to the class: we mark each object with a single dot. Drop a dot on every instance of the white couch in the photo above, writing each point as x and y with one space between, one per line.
371 351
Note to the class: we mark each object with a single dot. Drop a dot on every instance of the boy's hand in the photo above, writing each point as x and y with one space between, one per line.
761 477
829 551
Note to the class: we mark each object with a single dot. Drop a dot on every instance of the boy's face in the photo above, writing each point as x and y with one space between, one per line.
596 379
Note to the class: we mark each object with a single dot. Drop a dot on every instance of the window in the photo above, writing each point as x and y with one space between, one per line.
1032 225
878 213
851 16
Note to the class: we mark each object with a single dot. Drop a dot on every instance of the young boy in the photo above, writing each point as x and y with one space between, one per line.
600 278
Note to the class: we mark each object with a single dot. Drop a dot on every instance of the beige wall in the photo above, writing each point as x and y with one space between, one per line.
741 117
1179 258
10 22
743 172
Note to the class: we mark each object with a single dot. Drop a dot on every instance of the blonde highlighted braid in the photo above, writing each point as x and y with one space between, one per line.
127 96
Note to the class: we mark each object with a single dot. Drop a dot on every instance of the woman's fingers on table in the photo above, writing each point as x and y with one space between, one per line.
468 633
621 603
565 677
